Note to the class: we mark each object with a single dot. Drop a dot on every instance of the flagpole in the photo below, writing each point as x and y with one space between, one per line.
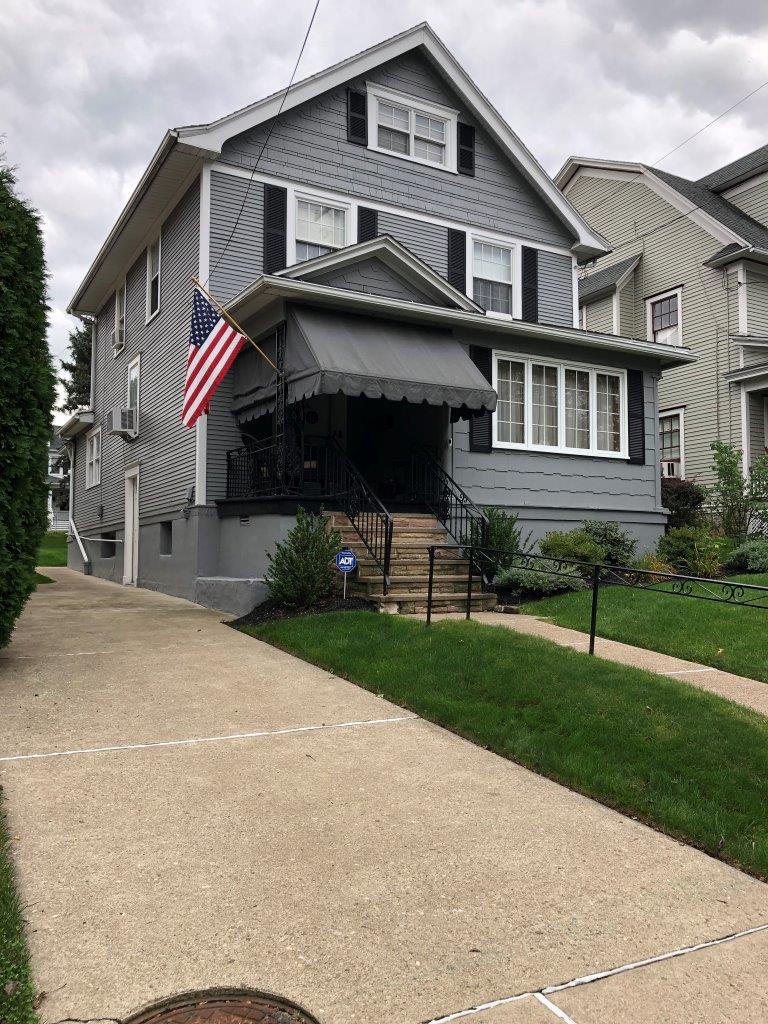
231 320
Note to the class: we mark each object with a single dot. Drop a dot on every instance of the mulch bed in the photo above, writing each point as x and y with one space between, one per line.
268 611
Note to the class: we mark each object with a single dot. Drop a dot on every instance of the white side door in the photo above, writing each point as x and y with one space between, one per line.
131 545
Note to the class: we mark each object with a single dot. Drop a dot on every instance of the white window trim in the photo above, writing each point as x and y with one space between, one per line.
416 105
517 279
89 481
136 361
561 449
297 195
678 410
657 298
116 350
159 239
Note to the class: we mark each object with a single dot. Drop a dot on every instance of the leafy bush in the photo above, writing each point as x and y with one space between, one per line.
739 502
530 583
575 544
654 563
618 545
505 534
691 550
26 398
300 572
752 556
684 499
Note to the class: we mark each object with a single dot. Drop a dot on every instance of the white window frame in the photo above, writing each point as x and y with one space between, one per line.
135 362
415 105
156 241
666 414
517 283
561 449
299 195
117 349
92 466
649 314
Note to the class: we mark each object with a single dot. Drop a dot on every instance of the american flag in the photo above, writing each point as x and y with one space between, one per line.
213 347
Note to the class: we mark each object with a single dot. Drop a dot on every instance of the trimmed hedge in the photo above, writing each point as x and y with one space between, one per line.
26 400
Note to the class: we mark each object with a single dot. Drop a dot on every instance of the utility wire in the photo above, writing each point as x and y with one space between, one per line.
265 143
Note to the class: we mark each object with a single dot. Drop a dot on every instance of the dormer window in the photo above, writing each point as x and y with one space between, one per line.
411 128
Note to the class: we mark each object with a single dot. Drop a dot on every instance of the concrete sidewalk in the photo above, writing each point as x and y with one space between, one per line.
194 809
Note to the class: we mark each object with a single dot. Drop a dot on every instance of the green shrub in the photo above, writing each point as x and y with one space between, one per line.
575 544
26 398
684 499
619 545
752 556
505 534
301 572
691 550
654 563
739 503
530 583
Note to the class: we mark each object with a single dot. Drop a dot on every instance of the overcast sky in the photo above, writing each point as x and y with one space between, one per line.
88 87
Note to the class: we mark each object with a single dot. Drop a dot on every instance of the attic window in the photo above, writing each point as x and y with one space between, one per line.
320 228
411 128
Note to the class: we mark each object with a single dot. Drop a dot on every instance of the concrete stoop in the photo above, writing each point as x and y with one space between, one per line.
231 594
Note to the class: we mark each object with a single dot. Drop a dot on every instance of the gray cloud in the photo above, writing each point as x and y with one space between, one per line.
88 87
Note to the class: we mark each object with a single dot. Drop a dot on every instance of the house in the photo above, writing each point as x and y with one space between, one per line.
58 484
410 269
688 265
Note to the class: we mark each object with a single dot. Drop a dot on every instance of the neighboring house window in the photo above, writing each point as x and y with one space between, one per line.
492 276
559 407
412 128
118 335
671 443
132 397
663 313
153 278
320 228
93 458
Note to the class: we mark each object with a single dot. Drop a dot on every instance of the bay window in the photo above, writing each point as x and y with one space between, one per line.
492 276
548 406
320 228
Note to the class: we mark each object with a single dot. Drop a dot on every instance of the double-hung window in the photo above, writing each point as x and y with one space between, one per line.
492 276
153 278
547 406
412 128
663 314
118 334
93 458
320 228
671 443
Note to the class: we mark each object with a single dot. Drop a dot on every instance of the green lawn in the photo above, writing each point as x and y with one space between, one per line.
53 549
18 1006
684 760
725 636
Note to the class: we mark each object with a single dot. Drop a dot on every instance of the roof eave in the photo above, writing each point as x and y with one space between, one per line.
79 421
746 252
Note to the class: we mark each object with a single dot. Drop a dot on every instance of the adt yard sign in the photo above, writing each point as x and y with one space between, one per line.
346 561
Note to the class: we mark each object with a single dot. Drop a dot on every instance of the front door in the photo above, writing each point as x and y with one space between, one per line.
131 545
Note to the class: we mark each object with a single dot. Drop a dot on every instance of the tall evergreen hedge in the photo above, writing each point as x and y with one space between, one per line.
26 399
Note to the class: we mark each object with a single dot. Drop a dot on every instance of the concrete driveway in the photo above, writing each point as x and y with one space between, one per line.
196 809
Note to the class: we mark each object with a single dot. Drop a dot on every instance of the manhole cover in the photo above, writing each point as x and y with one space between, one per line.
222 1006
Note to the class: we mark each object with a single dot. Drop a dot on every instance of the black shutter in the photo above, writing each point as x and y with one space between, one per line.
636 417
457 259
466 148
530 274
481 426
367 223
275 220
357 117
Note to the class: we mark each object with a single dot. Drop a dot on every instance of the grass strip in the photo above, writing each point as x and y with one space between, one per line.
683 760
53 549
17 994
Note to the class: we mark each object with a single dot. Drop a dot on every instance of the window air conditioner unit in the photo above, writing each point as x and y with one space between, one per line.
118 339
670 469
124 422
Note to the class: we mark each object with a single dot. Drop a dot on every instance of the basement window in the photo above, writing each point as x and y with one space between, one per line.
108 547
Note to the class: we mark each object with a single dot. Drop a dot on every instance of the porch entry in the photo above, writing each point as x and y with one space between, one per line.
131 545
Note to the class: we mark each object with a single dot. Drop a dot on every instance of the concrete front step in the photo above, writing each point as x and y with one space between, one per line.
414 566
372 586
411 604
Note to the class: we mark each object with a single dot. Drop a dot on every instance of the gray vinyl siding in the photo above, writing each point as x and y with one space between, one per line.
757 304
243 251
373 278
631 323
223 435
427 241
600 315
753 201
754 354
164 449
673 253
309 145
555 289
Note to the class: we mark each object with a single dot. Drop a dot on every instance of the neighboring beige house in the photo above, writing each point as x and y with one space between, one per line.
689 265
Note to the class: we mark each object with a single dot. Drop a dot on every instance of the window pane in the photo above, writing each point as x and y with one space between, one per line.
395 141
154 258
669 436
429 128
308 251
133 387
510 411
394 117
154 294
544 395
322 225
497 298
492 262
577 409
665 321
429 151
608 412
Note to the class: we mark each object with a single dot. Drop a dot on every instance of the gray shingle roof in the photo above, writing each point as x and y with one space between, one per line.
604 281
737 170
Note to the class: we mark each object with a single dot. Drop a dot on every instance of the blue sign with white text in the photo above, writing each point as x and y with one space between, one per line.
346 560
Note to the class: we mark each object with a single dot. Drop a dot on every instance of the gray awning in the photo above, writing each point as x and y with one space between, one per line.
328 352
